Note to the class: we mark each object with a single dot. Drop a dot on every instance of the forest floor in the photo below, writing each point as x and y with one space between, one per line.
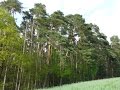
103 84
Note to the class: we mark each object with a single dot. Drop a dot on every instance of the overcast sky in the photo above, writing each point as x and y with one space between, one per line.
104 13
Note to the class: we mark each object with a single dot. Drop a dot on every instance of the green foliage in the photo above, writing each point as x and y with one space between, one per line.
51 50
12 5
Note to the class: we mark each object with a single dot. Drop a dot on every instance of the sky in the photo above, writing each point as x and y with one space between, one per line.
104 13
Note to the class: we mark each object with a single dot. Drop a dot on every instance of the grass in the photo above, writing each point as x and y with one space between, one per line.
105 84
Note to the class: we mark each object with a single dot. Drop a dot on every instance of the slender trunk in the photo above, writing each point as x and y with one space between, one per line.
107 67
1 70
60 81
48 57
16 85
112 72
53 80
20 79
24 83
36 75
25 32
32 30
28 86
4 81
38 46
45 81
61 62
76 66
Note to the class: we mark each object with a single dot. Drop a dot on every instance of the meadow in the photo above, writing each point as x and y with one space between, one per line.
103 84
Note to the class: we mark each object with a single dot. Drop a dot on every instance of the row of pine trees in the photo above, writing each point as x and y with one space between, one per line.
52 50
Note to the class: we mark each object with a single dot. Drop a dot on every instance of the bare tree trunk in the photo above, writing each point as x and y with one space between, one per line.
36 75
45 81
31 41
1 69
20 79
61 62
28 86
4 81
38 47
76 67
25 39
60 81
16 85
48 56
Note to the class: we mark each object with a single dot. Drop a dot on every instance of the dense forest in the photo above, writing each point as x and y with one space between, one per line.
52 50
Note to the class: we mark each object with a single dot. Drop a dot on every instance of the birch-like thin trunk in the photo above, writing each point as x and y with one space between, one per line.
4 81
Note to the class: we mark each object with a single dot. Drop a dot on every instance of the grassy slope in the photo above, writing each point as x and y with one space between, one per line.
105 84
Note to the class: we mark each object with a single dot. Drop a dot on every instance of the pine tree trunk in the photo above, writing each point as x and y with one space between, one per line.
48 56
25 39
31 42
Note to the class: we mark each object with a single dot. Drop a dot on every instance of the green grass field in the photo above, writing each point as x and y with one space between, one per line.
105 84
